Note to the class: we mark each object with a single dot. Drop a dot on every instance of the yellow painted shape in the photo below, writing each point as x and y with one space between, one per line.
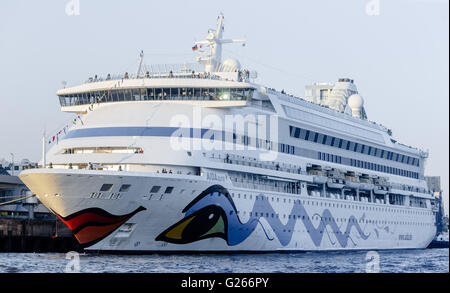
176 232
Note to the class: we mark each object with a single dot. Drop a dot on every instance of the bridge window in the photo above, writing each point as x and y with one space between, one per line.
221 94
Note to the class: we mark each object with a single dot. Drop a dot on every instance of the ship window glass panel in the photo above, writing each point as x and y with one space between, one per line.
341 142
302 134
106 187
223 94
120 95
307 134
174 92
210 94
143 93
183 93
68 100
347 147
158 94
397 157
190 93
408 159
379 153
114 96
321 138
354 146
165 93
108 96
297 132
369 150
335 142
155 189
84 98
328 141
213 94
151 93
292 131
239 94
124 188
136 95
127 94
316 136
358 148
102 96
169 189
197 93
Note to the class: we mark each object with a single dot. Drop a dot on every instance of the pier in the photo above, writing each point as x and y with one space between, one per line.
26 225
35 235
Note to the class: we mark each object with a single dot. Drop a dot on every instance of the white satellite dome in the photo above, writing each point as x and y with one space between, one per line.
355 101
231 65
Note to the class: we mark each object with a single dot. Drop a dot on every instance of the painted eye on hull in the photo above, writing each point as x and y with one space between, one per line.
207 222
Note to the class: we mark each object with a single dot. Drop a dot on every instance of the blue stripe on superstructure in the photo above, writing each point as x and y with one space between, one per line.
139 131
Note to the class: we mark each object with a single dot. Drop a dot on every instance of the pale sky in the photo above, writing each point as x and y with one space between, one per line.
399 57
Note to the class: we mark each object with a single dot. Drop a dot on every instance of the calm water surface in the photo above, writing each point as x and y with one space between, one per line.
425 260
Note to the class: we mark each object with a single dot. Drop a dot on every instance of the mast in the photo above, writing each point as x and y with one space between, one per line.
141 58
44 152
214 41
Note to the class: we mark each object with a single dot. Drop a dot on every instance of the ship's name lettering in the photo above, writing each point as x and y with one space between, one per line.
214 177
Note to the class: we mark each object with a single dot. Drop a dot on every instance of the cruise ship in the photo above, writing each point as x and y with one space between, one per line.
198 157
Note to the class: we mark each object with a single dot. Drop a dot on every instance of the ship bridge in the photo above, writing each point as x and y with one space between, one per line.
173 86
209 80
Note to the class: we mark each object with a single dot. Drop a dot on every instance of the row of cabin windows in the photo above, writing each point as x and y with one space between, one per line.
289 149
329 157
324 139
126 187
383 168
146 94
347 206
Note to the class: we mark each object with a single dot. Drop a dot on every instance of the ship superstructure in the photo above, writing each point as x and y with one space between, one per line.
199 157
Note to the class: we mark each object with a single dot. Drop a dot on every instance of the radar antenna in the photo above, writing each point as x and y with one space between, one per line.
212 59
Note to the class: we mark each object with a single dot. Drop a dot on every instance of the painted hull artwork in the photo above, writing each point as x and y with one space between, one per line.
94 224
213 214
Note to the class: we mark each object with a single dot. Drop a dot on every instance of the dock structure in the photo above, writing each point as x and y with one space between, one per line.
27 225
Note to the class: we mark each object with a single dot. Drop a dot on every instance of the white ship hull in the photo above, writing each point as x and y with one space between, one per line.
319 224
